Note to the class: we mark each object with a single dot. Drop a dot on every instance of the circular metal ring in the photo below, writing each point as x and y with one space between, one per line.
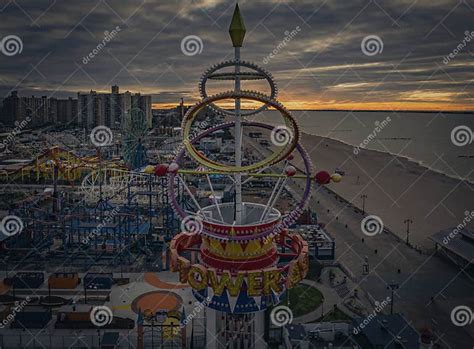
242 76
211 71
283 151
289 219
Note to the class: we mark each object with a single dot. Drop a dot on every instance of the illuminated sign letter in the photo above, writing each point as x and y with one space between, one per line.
271 281
303 262
254 284
183 267
294 275
225 282
197 277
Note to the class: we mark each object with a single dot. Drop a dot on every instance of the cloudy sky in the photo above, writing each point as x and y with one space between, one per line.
323 66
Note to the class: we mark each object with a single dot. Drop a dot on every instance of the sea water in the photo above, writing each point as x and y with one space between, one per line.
425 138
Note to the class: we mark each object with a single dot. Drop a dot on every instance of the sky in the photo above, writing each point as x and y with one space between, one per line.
324 64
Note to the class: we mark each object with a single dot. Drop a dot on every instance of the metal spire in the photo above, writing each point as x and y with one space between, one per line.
237 28
237 34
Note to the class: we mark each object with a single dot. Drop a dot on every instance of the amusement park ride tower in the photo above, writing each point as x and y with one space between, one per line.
238 257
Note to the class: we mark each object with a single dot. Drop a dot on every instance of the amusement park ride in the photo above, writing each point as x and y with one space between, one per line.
101 210
238 257
135 131
55 164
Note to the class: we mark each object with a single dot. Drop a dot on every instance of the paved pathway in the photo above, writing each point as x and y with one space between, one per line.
419 276
331 298
429 287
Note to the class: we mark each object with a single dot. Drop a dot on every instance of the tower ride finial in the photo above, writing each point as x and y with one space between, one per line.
237 28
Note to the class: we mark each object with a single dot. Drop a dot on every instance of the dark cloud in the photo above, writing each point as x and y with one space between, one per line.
323 62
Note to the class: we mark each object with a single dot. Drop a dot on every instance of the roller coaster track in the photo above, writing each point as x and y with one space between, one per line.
69 166
120 186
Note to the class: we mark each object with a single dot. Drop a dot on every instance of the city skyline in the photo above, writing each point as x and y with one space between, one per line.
88 109
314 50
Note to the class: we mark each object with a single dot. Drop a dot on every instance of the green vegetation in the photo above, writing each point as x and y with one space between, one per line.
303 299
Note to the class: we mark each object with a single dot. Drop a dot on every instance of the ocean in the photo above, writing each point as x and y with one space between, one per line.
425 138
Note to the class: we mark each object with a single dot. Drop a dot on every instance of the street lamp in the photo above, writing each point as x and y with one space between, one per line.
393 287
363 203
407 222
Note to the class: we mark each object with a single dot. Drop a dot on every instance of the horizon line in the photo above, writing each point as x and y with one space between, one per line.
453 111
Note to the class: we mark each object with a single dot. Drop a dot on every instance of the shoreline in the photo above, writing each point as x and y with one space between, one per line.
397 188
405 157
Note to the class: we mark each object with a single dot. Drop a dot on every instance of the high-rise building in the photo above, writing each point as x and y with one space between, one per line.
89 110
10 108
143 103
65 110
110 109
41 110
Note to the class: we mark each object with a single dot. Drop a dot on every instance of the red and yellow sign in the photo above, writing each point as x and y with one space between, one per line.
258 282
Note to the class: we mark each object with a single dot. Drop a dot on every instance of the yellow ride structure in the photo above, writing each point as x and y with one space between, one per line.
60 164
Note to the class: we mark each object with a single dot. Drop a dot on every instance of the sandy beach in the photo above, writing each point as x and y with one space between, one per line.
396 188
